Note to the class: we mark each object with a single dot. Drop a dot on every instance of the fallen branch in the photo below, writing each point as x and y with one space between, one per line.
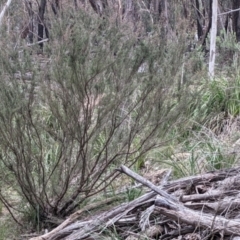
177 211
106 219
147 183
165 203
72 218
200 219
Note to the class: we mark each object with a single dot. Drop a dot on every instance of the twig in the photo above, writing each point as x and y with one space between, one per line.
147 183
235 10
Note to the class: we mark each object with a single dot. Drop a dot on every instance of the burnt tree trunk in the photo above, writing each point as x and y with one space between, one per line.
208 7
55 6
41 26
199 25
236 19
28 31
156 6
99 6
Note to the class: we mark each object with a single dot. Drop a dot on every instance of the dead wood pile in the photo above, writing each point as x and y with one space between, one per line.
205 206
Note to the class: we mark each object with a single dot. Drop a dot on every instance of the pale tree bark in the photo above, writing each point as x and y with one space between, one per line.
7 4
213 38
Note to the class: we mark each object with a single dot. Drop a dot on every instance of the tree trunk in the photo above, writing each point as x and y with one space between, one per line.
41 22
166 23
30 27
55 6
199 25
208 9
213 38
156 8
99 5
236 19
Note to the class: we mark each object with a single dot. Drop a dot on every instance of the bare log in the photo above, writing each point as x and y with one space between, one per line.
72 218
83 229
199 219
206 178
219 206
108 219
197 214
178 211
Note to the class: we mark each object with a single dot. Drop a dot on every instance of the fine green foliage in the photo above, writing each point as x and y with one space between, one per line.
219 99
133 193
122 84
104 98
203 149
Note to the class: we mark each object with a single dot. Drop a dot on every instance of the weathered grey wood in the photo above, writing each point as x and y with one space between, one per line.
147 183
82 230
166 204
201 178
211 195
219 206
4 9
72 218
200 219
110 218
177 211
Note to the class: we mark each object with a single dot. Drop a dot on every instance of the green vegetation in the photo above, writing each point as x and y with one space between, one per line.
103 95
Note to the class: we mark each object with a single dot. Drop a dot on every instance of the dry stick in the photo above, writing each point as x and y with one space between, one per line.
202 178
231 11
197 218
177 211
227 204
147 183
109 218
82 230
74 217
211 195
